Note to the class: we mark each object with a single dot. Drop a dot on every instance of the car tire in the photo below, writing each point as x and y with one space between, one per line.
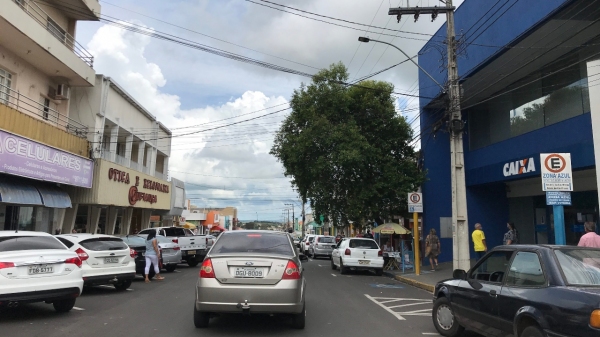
171 268
444 319
123 285
343 270
333 266
64 305
192 262
532 331
299 320
379 271
201 319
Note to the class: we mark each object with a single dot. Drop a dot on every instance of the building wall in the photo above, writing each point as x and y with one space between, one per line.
58 16
128 117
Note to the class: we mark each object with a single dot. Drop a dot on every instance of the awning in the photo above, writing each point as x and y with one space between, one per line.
22 193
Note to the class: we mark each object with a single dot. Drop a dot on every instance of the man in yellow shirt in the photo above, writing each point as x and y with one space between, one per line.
479 241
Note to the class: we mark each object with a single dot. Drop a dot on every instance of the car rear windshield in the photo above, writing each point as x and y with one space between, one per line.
14 243
580 266
364 244
326 239
174 231
100 244
134 240
253 243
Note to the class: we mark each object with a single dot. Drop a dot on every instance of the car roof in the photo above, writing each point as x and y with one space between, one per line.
84 236
254 231
540 247
23 233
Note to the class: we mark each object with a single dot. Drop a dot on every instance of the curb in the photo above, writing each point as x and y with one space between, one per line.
430 288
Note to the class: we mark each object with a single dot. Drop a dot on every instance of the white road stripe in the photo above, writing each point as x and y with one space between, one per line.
78 308
129 289
431 334
388 301
406 305
319 265
402 299
334 275
386 308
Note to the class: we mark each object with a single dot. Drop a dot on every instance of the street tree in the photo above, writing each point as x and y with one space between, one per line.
346 148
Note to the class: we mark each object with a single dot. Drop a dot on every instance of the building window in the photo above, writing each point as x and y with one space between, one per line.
45 107
5 83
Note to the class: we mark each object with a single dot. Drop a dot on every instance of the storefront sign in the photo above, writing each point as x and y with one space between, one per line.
26 158
415 202
518 167
554 198
556 172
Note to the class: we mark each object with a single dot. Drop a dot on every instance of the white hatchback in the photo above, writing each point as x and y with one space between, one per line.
36 267
106 258
359 254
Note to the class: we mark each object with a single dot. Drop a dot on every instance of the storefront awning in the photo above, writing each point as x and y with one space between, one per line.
54 197
19 193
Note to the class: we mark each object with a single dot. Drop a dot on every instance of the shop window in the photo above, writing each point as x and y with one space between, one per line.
26 219
81 219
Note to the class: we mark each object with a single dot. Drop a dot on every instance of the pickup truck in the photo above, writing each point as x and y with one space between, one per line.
193 247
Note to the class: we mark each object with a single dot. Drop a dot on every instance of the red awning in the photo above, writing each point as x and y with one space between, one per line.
217 229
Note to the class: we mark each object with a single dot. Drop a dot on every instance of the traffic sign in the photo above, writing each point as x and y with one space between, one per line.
554 198
556 172
415 202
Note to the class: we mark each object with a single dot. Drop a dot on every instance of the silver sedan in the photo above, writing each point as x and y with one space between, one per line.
170 252
251 272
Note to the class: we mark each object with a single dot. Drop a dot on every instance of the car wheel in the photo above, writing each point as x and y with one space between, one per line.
171 268
379 271
343 270
333 266
192 262
444 320
201 318
532 331
299 320
123 285
64 305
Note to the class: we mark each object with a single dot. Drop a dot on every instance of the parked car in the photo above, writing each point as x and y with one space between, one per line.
169 251
524 291
358 254
296 241
322 246
36 267
106 259
305 243
138 244
193 247
260 266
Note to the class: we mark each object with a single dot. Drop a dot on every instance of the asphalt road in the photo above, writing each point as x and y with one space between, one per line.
354 305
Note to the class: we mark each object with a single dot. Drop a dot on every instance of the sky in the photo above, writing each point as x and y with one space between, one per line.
191 91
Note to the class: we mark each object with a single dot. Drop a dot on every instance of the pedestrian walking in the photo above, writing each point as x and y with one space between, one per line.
432 248
590 238
152 256
512 236
368 235
479 241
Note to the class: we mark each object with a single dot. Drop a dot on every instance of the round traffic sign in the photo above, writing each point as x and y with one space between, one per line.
415 198
555 163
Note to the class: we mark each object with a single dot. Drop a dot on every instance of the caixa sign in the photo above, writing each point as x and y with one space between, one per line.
518 167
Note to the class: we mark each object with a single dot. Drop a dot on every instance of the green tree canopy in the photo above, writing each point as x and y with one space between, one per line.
346 148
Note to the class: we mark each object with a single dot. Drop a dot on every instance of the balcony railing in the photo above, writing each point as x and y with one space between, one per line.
25 104
41 17
106 155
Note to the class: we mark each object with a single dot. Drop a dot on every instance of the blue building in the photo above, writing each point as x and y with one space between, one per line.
530 80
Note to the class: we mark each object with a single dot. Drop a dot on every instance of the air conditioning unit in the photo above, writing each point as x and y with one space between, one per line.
62 92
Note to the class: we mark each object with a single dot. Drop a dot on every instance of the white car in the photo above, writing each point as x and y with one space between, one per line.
359 254
106 259
305 243
36 267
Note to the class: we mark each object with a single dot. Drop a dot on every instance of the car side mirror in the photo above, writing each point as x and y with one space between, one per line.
459 274
303 258
475 284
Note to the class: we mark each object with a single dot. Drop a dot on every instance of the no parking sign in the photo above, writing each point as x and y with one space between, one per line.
415 202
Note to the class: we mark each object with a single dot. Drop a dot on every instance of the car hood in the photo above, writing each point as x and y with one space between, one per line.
592 290
449 282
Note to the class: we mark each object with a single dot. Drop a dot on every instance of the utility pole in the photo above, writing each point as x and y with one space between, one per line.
303 220
460 230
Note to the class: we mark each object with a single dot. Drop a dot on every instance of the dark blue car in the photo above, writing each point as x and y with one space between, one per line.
524 291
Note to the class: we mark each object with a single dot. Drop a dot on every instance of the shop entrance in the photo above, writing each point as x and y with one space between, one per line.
19 217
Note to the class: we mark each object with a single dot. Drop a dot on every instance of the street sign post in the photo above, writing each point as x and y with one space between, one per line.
557 176
415 202
415 206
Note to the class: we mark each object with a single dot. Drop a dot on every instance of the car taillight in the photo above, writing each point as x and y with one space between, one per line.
380 253
176 248
74 260
595 319
132 253
291 271
175 240
347 252
206 271
82 254
6 265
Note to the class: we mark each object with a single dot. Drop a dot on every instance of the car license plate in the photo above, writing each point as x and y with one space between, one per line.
364 262
111 260
248 272
40 269
191 252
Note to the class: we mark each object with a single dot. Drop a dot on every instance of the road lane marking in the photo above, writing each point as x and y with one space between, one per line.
319 265
386 308
382 301
334 275
78 308
431 334
407 305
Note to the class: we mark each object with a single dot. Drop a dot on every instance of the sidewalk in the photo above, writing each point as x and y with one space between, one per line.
428 279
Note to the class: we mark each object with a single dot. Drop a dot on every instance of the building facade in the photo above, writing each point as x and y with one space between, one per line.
131 151
529 73
43 149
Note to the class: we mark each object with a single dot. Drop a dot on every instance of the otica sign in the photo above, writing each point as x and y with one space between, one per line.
518 167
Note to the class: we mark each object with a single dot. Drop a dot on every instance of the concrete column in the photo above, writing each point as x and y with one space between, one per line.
69 219
593 68
126 220
166 169
146 213
111 220
114 137
153 160
128 147
148 163
141 151
94 218
59 217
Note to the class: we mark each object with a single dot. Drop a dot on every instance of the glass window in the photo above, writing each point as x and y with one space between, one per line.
253 243
174 231
362 243
326 239
580 266
102 244
26 219
492 269
133 240
526 271
16 243
66 242
5 85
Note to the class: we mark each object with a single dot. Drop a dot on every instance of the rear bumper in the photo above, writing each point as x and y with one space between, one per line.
108 278
318 251
171 259
354 263
89 273
198 255
39 296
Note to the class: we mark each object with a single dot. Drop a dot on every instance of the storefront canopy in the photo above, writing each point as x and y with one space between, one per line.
21 193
